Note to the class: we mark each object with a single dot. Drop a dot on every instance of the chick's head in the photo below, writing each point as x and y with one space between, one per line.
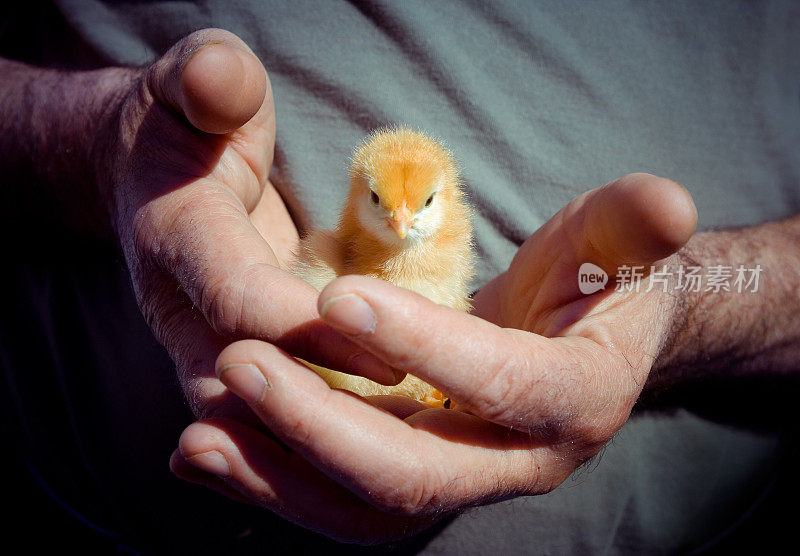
403 186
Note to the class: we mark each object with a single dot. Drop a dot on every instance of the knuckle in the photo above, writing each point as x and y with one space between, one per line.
412 361
164 310
155 234
418 334
222 302
164 240
200 404
607 395
145 243
551 430
165 322
207 397
500 394
298 431
596 432
411 498
300 427
416 500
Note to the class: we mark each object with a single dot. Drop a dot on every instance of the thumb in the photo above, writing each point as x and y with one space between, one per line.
635 220
211 78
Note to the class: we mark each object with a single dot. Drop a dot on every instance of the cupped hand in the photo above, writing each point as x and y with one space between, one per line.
206 236
543 375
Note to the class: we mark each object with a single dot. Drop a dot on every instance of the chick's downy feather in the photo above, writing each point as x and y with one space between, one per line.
405 221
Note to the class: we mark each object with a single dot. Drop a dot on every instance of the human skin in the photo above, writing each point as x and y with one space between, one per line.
176 172
205 235
540 398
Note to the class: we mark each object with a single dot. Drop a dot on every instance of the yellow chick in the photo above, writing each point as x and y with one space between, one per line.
405 221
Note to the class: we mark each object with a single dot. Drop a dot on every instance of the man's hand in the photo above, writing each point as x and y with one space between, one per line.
206 236
173 161
543 377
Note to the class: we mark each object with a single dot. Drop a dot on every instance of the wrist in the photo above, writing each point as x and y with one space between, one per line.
677 307
739 329
58 132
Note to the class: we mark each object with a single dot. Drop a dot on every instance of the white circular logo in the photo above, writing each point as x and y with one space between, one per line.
591 278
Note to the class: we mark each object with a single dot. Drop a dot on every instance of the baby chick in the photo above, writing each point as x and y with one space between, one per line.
405 221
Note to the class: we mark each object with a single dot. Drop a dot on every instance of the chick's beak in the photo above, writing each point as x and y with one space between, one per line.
400 220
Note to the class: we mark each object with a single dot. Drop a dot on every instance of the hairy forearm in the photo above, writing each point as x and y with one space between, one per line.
53 136
727 334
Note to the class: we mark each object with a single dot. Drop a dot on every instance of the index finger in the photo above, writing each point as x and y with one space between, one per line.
443 461
511 377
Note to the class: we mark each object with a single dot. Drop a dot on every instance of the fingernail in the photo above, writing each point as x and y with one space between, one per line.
375 369
198 49
245 380
349 313
212 462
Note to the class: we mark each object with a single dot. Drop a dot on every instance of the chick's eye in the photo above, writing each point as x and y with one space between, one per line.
374 197
429 201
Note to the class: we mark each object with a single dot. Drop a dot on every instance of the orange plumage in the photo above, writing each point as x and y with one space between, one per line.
405 221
